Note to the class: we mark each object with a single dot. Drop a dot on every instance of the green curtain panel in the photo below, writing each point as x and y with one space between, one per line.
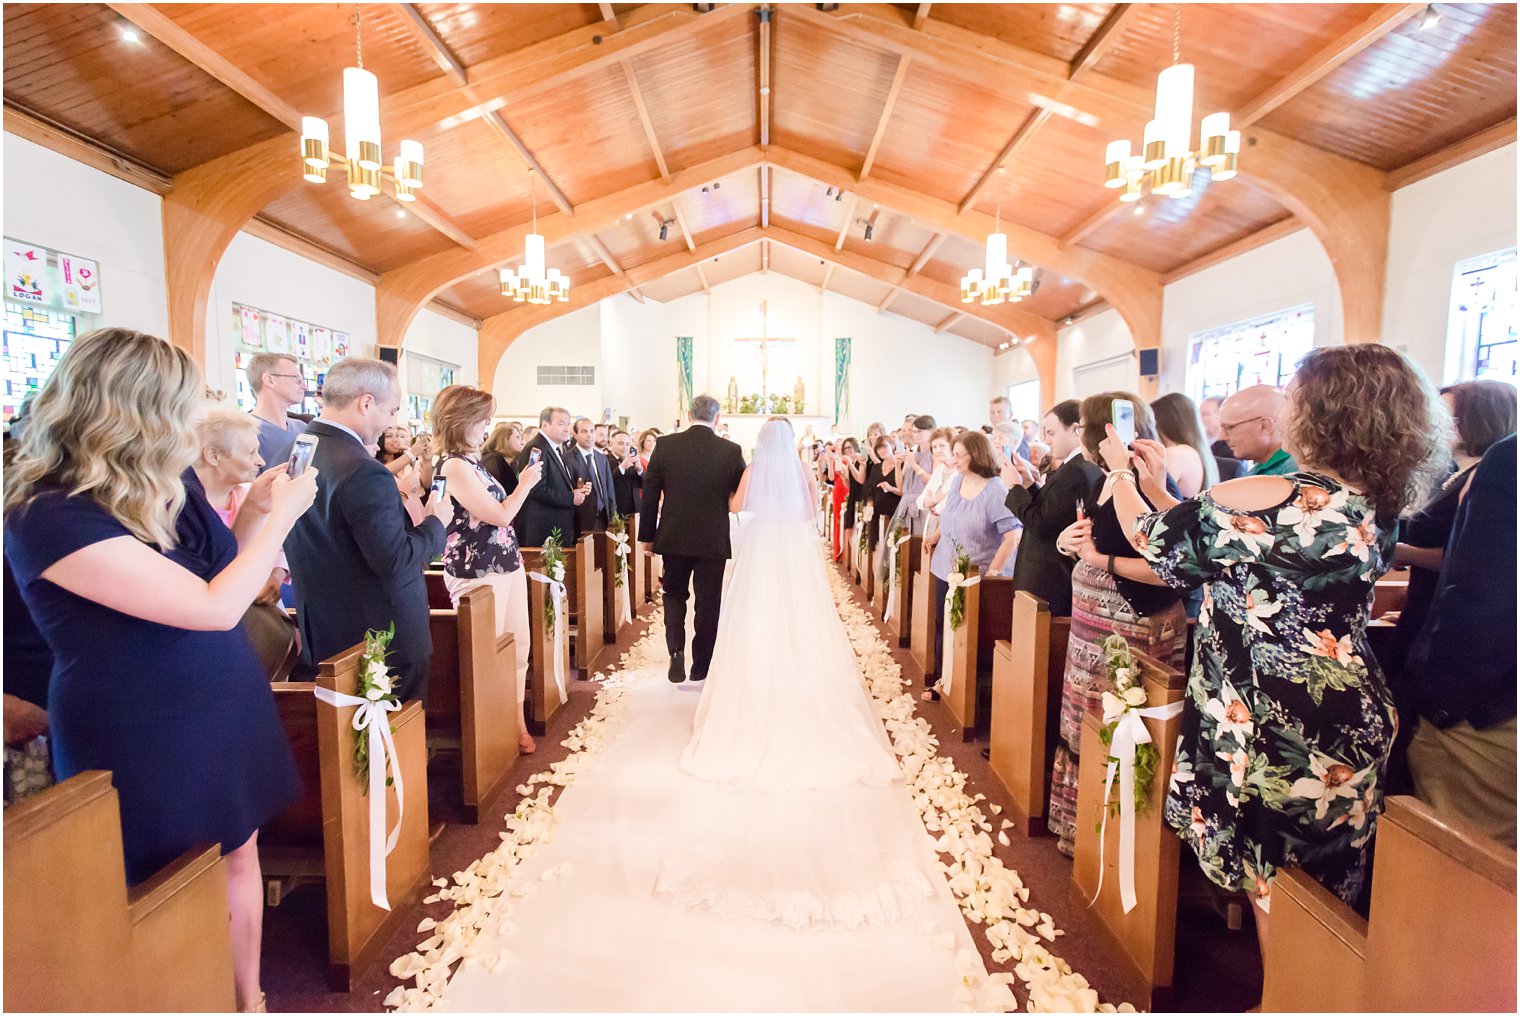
841 378
684 391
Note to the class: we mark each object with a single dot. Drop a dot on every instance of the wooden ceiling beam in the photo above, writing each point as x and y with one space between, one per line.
1104 39
927 255
1481 143
430 213
675 204
1087 226
703 277
885 118
1021 137
648 124
765 256
1276 231
1383 19
506 133
431 41
763 72
849 217
608 14
949 322
891 295
766 176
55 137
921 15
163 28
828 273
604 255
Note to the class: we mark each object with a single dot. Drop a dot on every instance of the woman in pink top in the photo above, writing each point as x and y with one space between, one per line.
228 463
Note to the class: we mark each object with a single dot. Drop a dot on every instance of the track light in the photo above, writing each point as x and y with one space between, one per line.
868 232
1430 18
828 192
703 8
665 230
827 8
839 195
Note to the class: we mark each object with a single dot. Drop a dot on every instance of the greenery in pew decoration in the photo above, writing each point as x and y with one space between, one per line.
1126 694
554 567
618 526
958 597
884 567
864 528
375 685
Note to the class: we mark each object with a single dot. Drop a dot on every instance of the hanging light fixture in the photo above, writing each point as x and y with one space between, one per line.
363 163
997 280
1167 159
531 283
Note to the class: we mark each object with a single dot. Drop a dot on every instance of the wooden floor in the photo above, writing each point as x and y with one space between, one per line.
1221 970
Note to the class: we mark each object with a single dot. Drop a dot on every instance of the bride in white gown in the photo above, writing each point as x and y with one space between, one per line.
796 819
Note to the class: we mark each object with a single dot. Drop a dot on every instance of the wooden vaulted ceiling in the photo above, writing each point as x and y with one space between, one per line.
865 91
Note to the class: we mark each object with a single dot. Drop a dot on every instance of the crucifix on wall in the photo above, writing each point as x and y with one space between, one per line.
765 344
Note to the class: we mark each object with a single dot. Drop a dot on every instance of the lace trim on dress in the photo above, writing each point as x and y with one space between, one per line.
799 909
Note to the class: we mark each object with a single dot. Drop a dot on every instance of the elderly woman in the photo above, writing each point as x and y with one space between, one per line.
931 499
973 520
229 462
1287 723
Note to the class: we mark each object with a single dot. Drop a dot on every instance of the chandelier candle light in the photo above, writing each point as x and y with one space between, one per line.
361 134
532 283
1167 159
998 280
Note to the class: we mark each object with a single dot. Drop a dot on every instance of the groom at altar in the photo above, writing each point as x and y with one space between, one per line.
691 476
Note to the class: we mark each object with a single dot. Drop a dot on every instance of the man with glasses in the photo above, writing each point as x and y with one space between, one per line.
277 385
1250 421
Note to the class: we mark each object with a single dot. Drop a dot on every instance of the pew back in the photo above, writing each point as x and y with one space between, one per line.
1027 674
988 618
926 618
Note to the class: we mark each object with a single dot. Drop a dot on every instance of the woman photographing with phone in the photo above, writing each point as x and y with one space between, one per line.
481 547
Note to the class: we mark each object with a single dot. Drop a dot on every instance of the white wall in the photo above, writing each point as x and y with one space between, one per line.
54 201
441 338
1465 212
633 347
1101 338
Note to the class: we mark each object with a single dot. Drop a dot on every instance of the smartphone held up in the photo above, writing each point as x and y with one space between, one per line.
300 455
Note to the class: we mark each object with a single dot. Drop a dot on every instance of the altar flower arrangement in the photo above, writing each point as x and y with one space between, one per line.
375 685
1125 694
554 567
956 581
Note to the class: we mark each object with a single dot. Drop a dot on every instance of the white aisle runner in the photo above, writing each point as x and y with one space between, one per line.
577 925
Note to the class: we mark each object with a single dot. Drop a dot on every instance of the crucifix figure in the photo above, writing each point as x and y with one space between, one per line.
765 342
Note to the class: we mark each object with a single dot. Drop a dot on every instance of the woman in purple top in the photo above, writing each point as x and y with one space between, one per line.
973 518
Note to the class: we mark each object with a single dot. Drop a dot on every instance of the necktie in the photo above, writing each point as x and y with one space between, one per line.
596 479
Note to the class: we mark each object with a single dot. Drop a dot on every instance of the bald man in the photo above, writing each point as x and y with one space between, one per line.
1250 420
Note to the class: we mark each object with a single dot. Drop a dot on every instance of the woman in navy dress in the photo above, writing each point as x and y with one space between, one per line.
139 588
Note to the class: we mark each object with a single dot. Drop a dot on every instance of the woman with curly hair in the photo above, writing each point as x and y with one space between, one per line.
1288 723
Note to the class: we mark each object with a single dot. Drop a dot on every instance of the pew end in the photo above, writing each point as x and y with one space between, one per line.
925 618
1027 673
988 618
1315 956
901 621
543 698
77 939
587 595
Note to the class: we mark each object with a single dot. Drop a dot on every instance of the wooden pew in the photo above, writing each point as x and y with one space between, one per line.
1146 936
989 618
1027 673
77 939
585 595
326 833
472 696
1390 592
926 617
901 622
543 699
1440 936
639 567
606 562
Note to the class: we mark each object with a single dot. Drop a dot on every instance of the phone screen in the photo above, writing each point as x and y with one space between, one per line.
300 454
440 484
1124 420
534 456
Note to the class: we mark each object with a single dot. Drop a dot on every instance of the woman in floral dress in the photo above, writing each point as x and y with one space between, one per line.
1288 722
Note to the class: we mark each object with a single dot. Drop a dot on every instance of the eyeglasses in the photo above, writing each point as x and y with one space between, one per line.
1225 428
296 376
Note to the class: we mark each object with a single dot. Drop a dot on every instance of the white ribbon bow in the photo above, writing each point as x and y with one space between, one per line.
372 718
886 615
1130 733
557 591
622 550
947 668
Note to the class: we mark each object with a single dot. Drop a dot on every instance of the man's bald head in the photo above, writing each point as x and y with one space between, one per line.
1250 421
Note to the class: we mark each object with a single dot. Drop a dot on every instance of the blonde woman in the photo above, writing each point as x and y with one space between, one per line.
138 589
481 548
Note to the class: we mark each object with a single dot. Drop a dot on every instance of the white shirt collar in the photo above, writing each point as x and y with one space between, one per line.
347 430
1076 453
702 423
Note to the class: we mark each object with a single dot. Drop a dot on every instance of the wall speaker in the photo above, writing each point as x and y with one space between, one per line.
1150 362
392 355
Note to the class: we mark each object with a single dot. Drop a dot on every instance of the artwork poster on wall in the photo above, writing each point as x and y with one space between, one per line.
26 274
276 334
842 353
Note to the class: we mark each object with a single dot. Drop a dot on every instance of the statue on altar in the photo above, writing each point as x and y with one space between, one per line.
732 402
799 396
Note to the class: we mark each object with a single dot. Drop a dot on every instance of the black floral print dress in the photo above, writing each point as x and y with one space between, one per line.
475 549
1288 723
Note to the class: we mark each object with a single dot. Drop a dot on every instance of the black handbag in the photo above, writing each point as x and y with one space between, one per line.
275 638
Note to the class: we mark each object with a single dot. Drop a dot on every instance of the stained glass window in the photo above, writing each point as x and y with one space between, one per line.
1262 351
313 347
35 340
1483 317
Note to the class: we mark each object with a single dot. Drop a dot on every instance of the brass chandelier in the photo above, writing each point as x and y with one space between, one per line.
997 280
1168 161
363 164
532 283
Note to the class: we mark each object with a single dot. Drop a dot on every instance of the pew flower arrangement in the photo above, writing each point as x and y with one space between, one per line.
554 567
617 526
375 685
867 514
956 581
1126 694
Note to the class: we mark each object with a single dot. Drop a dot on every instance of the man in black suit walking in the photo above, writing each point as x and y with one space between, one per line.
552 502
696 472
589 466
1046 509
356 559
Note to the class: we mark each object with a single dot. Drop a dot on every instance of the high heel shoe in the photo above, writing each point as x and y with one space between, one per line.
525 744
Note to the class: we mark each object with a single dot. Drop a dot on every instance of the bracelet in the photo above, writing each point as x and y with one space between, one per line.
1111 564
1126 474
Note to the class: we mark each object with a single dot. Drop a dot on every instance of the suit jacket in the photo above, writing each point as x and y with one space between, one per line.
1045 511
592 515
550 505
696 472
355 557
627 488
1462 666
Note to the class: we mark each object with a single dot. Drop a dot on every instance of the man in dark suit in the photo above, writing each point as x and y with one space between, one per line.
696 472
552 502
356 559
1046 509
627 473
589 466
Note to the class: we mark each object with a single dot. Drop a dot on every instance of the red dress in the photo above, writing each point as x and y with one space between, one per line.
841 494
